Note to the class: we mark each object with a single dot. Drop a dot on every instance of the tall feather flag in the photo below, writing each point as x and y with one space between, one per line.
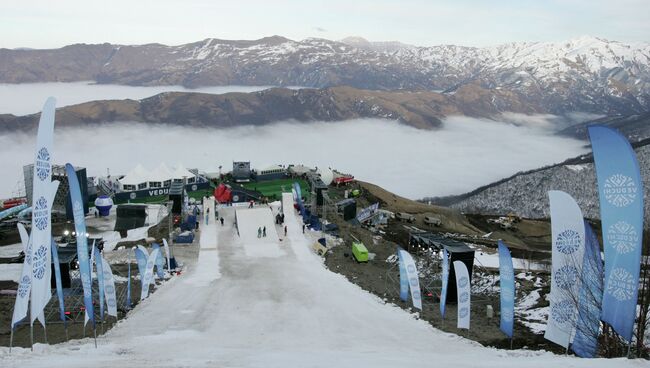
83 255
413 278
568 234
99 266
507 285
44 190
620 191
464 294
59 285
585 342
109 288
148 274
445 282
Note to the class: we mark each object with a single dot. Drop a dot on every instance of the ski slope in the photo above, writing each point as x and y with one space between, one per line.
232 309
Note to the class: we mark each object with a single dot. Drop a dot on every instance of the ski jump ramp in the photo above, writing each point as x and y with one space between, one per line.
249 220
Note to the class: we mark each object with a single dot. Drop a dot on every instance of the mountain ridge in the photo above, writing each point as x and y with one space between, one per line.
584 74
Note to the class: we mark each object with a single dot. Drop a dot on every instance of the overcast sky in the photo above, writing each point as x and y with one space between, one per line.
48 24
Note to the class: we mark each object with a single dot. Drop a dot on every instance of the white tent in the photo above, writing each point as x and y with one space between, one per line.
132 180
180 171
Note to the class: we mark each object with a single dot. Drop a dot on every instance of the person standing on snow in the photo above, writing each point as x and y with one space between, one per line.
285 231
259 232
264 232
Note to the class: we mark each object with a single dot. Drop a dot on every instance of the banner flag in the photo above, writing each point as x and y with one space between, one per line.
568 234
44 190
83 255
585 342
109 288
620 191
141 256
464 295
403 279
413 278
24 287
128 289
445 281
57 278
148 274
99 266
507 285
168 255
160 262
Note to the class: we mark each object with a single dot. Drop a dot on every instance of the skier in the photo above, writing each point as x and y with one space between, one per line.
259 232
264 232
221 219
303 228
285 231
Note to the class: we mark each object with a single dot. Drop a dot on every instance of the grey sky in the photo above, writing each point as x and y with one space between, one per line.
46 23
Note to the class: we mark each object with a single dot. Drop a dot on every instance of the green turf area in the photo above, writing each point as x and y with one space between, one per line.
273 188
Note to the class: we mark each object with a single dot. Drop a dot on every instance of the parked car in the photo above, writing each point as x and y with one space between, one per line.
432 220
403 216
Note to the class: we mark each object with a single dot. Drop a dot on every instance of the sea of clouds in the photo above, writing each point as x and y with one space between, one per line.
464 154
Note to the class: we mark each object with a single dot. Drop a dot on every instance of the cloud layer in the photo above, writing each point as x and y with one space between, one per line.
464 154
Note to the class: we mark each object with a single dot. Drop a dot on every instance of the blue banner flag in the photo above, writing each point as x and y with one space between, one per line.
620 191
99 265
445 281
141 256
507 285
82 242
585 342
403 279
57 278
160 262
128 289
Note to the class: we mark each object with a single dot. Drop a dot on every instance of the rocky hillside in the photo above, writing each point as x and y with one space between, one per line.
585 74
422 110
525 194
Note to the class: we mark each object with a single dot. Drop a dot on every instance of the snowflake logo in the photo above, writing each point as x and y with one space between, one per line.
39 262
462 282
23 289
620 190
416 294
507 315
111 302
410 268
43 164
562 311
464 297
463 312
566 277
507 294
109 289
568 241
623 237
40 213
413 281
621 284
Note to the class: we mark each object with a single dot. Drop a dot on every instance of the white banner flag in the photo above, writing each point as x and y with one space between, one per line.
169 264
148 274
109 288
25 284
43 194
414 280
464 295
568 232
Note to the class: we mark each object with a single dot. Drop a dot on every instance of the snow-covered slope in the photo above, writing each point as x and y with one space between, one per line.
526 194
234 309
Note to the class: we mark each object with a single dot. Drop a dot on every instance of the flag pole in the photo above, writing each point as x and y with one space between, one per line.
45 333
11 339
31 334
95 331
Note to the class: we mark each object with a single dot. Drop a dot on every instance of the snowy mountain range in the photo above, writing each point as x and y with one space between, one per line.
585 74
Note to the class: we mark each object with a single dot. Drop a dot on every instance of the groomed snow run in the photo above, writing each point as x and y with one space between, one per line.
230 309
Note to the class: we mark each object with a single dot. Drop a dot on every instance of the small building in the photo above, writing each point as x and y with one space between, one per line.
273 172
241 171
